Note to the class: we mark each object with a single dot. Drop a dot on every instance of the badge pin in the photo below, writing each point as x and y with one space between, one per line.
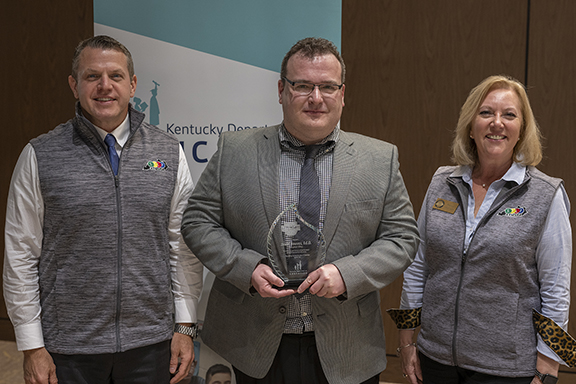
445 205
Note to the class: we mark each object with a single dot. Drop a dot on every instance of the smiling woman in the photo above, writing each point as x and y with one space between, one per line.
496 129
466 277
528 150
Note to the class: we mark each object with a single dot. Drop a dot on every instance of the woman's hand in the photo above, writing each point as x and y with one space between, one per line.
408 354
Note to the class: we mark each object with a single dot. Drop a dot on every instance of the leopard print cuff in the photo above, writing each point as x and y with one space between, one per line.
556 338
406 318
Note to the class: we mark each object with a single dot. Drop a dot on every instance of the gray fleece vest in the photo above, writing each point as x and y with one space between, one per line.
477 304
104 270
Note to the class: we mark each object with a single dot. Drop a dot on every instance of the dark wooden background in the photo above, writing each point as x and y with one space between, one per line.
37 44
411 64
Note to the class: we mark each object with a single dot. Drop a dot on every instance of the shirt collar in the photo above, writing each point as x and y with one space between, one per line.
515 173
121 132
288 140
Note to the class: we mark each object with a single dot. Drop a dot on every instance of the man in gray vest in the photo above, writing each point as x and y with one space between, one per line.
99 285
327 326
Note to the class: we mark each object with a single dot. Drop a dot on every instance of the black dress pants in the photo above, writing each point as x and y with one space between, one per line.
296 362
145 365
436 373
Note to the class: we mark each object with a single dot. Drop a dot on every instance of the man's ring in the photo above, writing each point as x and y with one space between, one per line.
405 375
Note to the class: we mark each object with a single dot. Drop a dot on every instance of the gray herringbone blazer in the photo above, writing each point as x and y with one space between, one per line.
371 237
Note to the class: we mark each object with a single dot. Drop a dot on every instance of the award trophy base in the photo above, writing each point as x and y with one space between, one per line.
291 284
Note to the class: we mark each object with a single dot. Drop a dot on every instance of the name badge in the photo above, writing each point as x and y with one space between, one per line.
445 206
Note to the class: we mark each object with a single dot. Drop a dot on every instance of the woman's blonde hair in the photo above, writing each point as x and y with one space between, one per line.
528 150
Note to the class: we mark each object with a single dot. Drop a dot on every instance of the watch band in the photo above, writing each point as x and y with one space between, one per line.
546 378
189 331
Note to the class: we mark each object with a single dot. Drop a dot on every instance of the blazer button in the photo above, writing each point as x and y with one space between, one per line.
282 310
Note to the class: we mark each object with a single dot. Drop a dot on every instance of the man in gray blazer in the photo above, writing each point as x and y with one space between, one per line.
329 329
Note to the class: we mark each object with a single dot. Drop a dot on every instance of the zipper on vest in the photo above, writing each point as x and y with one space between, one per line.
495 206
118 267
457 306
464 254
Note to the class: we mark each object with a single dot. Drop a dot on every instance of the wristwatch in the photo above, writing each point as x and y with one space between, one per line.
189 331
546 378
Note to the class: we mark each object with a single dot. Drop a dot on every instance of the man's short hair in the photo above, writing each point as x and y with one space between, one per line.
102 42
217 368
311 47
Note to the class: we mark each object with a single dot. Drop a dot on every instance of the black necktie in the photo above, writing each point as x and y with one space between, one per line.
310 200
110 141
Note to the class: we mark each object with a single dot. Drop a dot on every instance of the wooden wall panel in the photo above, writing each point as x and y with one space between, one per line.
552 91
411 64
38 41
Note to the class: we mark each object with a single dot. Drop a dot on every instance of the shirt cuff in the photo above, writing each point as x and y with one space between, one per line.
545 350
29 336
406 318
556 338
185 311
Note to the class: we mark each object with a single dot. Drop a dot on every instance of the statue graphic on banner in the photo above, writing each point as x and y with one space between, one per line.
154 108
154 112
139 105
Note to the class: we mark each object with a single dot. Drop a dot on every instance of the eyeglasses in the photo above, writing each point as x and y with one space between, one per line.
302 88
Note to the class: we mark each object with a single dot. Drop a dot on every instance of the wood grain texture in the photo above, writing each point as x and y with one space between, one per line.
38 42
552 92
411 65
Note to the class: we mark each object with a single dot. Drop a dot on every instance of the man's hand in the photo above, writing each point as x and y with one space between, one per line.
326 281
181 349
545 365
39 367
263 280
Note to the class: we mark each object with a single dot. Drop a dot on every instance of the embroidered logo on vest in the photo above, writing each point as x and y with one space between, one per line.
158 164
513 212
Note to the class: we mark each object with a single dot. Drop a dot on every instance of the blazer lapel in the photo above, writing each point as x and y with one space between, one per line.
268 162
344 164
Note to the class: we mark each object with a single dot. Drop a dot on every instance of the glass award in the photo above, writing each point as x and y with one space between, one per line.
295 247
